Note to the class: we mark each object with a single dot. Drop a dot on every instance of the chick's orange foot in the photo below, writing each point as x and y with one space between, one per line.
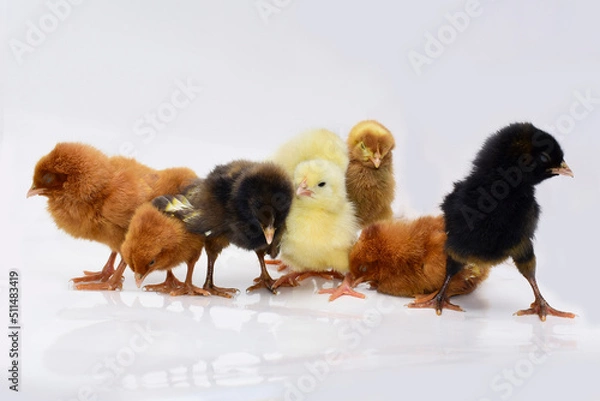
293 279
345 288
115 282
542 309
103 275
260 282
111 285
170 284
434 301
287 280
278 263
220 291
189 289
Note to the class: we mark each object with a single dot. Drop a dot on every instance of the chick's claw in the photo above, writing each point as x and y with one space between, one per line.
110 285
329 275
103 275
434 301
263 282
170 284
289 280
221 292
92 276
542 309
189 289
278 263
345 288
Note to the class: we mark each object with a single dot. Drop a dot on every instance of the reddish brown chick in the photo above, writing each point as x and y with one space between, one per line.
407 258
370 178
156 242
93 196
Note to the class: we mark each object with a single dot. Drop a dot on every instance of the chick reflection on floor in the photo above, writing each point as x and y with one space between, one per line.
146 341
133 341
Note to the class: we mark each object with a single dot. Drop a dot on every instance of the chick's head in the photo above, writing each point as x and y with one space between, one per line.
153 242
261 200
78 168
522 153
371 144
320 183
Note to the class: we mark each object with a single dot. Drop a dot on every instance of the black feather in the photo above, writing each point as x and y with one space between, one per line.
236 200
493 210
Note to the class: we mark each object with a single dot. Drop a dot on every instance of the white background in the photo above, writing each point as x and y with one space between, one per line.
263 78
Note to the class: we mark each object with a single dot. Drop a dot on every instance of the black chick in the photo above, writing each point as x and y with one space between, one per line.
244 203
492 214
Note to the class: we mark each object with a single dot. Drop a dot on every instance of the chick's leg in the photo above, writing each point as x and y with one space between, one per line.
187 288
345 288
171 283
264 280
540 306
439 300
103 275
115 282
213 249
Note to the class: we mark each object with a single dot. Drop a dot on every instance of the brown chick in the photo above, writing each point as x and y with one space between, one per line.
370 178
93 196
407 258
156 241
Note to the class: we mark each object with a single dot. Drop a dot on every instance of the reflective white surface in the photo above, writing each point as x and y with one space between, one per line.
252 83
294 345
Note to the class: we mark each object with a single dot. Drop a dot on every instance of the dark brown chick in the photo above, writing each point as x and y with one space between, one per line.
370 177
156 242
244 203
407 258
93 196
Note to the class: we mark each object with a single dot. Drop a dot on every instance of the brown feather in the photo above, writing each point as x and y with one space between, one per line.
155 237
407 258
370 188
93 196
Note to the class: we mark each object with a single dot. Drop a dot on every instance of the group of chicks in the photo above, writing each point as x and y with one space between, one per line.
307 205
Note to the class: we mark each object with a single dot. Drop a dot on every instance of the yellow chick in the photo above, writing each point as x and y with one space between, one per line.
309 145
321 226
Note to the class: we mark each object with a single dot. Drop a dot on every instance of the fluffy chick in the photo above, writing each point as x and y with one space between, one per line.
157 242
407 258
309 145
93 196
321 226
492 214
370 177
244 203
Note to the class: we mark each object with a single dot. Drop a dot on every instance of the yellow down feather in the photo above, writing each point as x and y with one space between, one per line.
309 145
321 228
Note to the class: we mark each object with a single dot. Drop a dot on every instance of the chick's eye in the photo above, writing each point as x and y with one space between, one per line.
322 184
363 268
152 262
545 157
363 146
48 178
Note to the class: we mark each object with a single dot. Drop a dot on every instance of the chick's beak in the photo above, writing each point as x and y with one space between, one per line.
269 234
376 159
139 279
33 191
303 190
358 280
564 169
